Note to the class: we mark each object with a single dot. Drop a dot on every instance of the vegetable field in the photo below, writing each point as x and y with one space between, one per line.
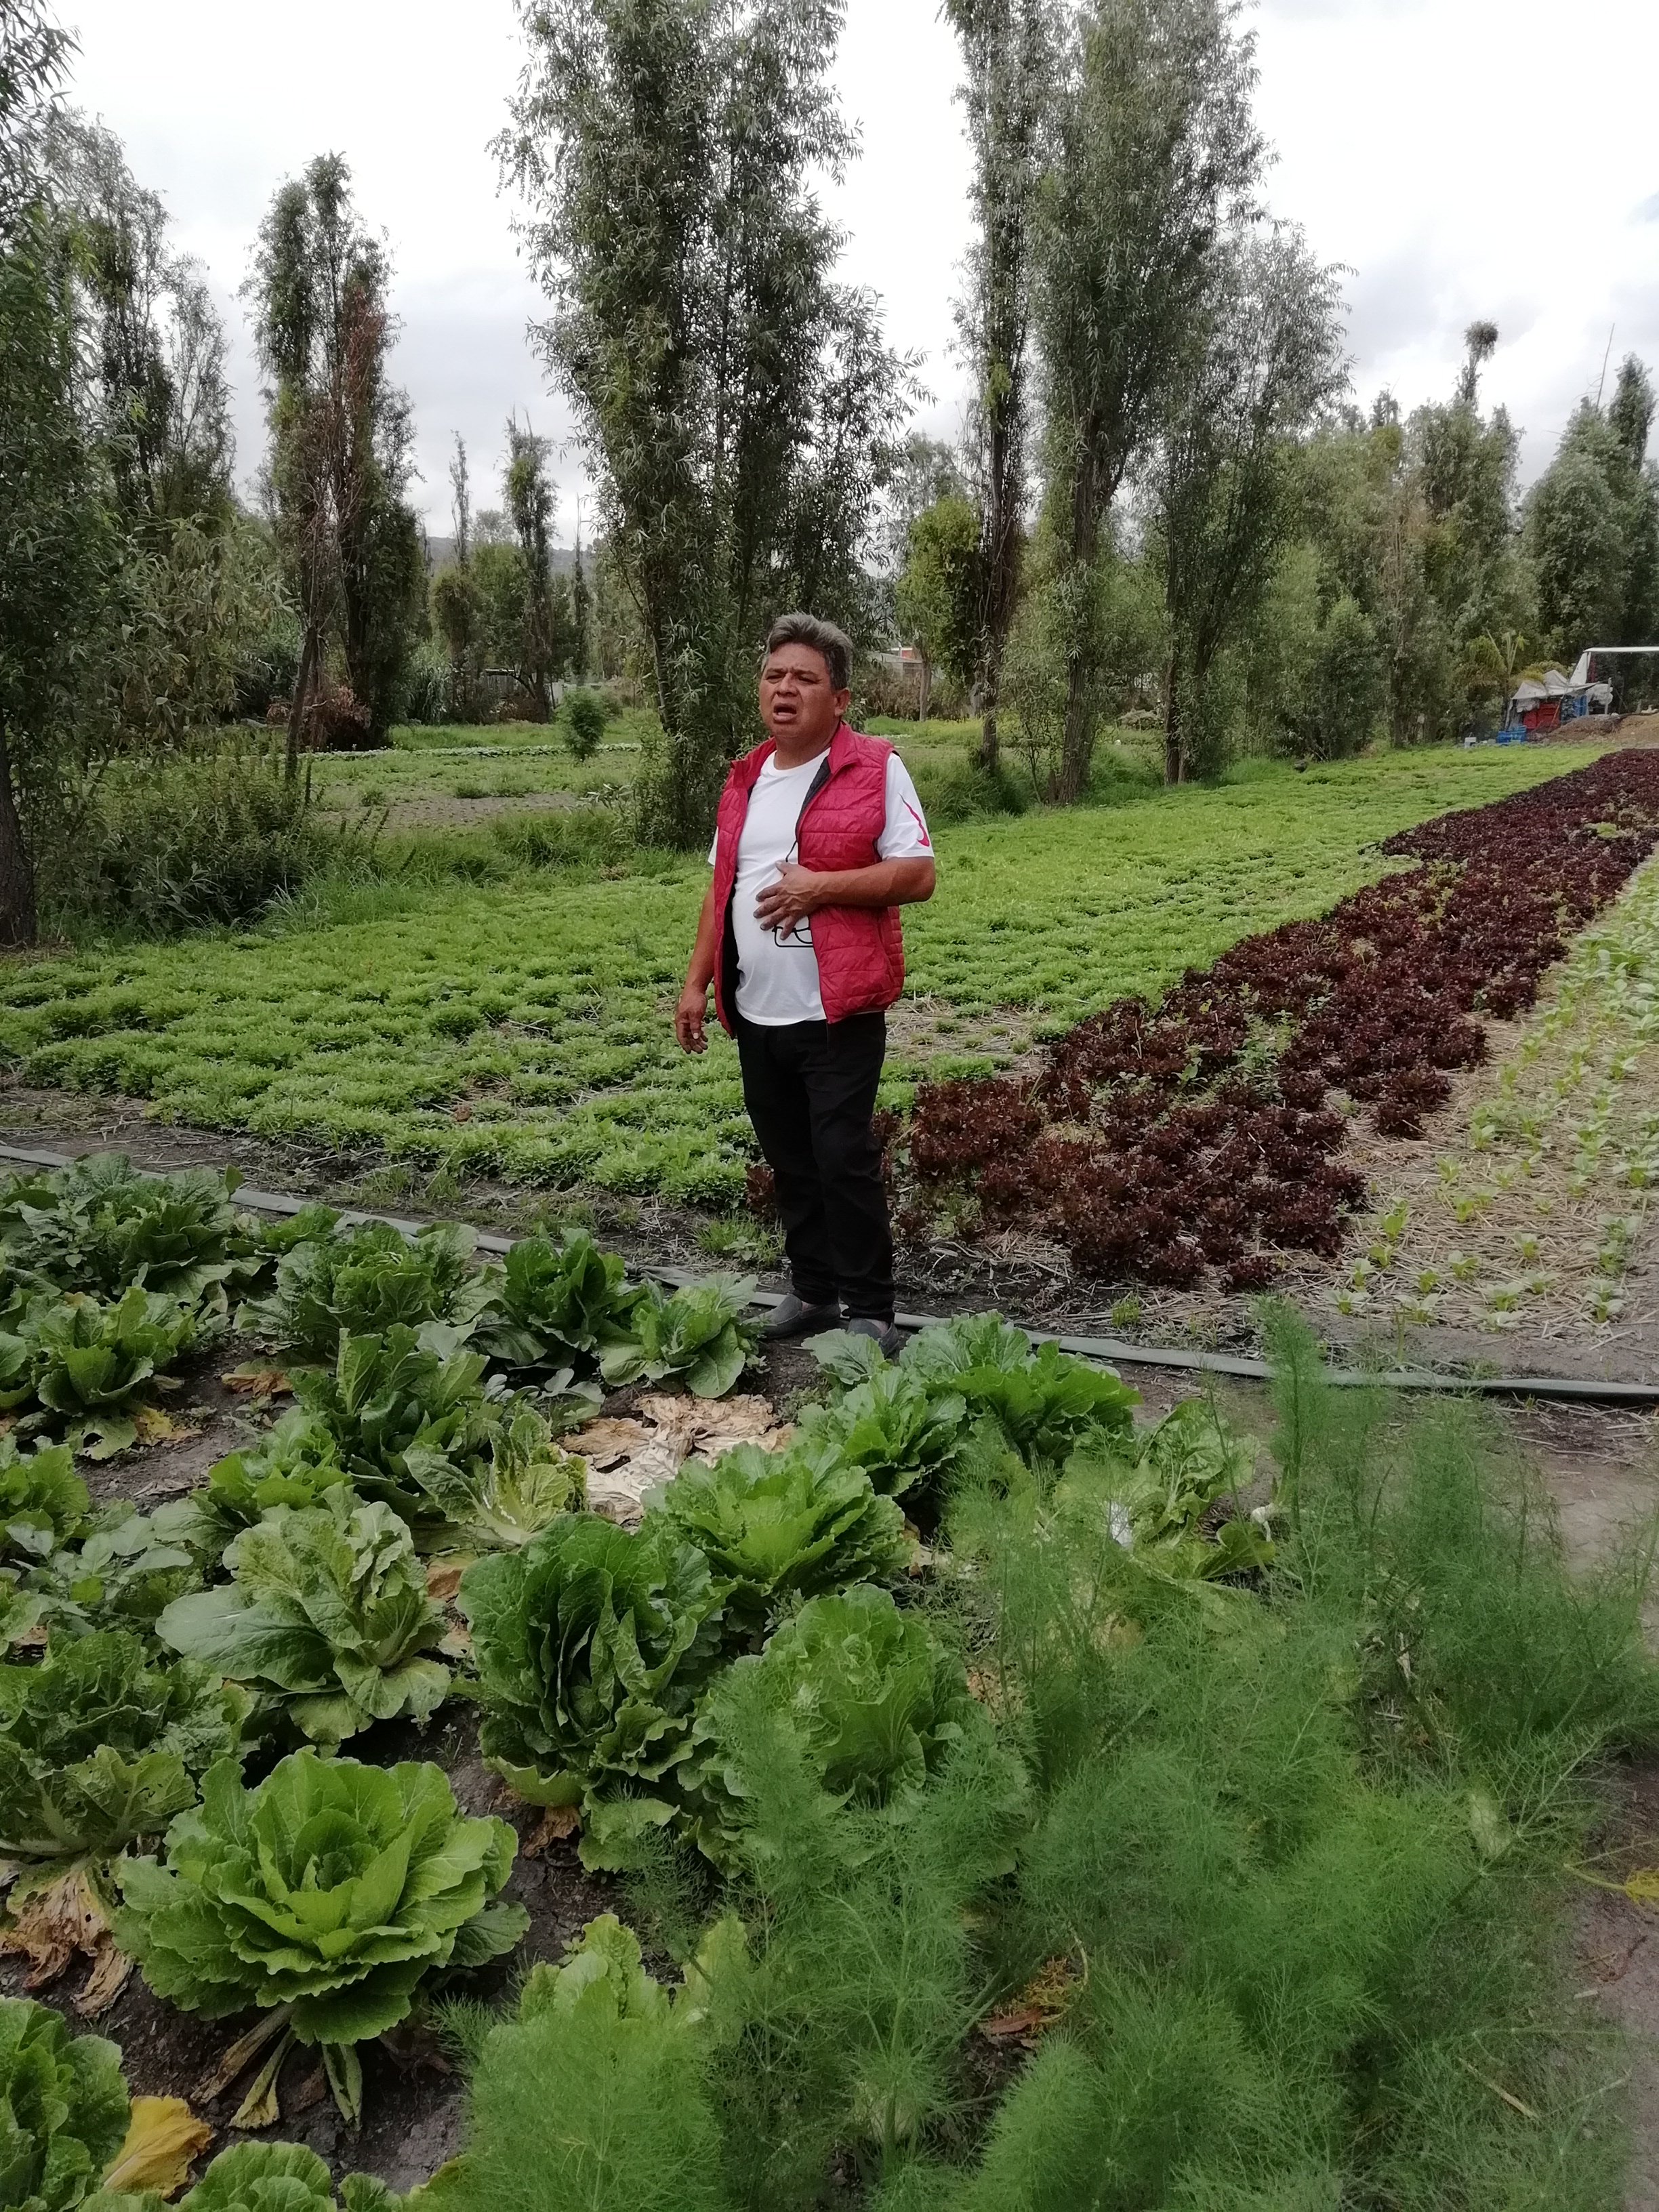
976 1793
522 1028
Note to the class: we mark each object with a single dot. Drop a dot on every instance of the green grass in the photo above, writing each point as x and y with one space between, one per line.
544 1003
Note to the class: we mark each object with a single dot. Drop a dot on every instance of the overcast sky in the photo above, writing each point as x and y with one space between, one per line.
1462 158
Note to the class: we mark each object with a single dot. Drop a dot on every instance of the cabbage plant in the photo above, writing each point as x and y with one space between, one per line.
553 1304
63 2109
97 1748
86 1364
328 1610
902 1435
871 1693
332 1889
295 1463
100 1224
44 1503
698 1336
364 1280
777 1525
260 2177
591 1644
121 1572
415 1426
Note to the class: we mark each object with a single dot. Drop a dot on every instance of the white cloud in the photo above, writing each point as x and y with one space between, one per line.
1447 153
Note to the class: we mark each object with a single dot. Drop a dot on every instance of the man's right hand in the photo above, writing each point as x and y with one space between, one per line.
690 1016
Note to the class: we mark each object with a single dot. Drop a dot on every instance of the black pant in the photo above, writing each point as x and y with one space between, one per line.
810 1088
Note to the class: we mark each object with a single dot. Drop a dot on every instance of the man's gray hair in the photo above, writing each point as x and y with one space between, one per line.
824 637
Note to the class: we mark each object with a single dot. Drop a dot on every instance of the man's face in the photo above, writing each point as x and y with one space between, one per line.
798 703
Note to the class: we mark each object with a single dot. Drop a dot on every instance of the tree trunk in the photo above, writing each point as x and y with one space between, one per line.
1076 737
990 755
17 916
1171 726
924 687
297 713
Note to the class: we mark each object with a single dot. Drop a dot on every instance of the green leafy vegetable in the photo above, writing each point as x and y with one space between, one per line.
295 1463
261 2177
333 1888
363 1281
63 2109
553 1304
1157 1496
903 1433
591 1644
1043 1400
97 1748
905 1422
43 1501
774 1525
698 1336
120 1574
328 1606
416 1427
86 1363
101 1225
873 1695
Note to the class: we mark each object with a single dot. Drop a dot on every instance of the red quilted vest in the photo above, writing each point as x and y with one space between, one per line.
861 950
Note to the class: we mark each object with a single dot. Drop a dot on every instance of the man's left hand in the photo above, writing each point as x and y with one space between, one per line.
789 899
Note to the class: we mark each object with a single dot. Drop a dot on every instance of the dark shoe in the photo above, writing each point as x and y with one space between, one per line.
793 1316
888 1341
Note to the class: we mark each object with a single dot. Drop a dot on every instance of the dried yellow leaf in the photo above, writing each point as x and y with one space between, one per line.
163 2140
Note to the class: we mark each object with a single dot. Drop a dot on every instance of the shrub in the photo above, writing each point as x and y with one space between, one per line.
431 680
179 843
650 2143
63 2109
333 1889
584 717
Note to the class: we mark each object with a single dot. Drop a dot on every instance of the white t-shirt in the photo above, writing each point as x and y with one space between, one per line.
778 978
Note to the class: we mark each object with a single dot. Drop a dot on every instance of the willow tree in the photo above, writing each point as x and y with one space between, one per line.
1154 149
1008 50
736 405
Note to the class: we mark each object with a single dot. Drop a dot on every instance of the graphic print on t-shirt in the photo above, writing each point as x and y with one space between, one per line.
778 973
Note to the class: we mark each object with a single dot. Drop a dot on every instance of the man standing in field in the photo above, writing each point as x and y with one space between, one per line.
818 840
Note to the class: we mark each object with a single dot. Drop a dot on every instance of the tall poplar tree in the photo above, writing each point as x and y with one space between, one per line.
1008 49
340 439
1155 146
736 406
